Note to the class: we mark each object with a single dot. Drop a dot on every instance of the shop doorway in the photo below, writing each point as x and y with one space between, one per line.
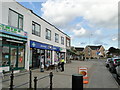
13 57
36 57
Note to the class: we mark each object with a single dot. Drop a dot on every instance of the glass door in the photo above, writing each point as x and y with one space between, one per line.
21 57
13 57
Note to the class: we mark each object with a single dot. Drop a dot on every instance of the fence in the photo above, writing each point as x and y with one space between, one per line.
12 76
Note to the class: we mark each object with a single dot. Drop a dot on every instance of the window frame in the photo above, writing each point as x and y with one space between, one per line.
19 16
46 36
34 31
56 39
62 40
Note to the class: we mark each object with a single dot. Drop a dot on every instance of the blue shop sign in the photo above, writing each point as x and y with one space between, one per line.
56 48
34 44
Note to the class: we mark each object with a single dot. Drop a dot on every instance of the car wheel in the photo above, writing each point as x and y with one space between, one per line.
117 76
107 65
113 70
110 69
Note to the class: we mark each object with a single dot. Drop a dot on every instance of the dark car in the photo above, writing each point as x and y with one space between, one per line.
113 65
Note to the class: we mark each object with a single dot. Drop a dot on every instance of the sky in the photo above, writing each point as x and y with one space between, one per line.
87 22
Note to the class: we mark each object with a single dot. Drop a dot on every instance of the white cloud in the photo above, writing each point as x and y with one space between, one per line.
114 38
98 32
100 13
80 32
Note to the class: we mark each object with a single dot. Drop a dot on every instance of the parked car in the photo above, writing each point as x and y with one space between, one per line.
113 64
118 69
107 62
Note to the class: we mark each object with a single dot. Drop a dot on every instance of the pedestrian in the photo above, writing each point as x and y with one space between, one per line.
62 64
42 63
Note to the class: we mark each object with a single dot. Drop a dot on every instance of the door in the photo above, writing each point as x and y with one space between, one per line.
21 56
13 57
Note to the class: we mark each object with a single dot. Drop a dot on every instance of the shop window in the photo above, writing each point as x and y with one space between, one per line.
21 57
48 34
36 29
5 56
48 57
13 57
56 56
15 19
56 38
62 40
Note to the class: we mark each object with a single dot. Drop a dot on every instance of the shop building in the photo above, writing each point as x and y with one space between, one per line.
13 44
38 37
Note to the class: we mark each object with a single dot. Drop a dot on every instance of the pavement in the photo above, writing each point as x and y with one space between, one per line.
99 76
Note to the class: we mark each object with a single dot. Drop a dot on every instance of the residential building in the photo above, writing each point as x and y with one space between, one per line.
26 36
94 51
80 53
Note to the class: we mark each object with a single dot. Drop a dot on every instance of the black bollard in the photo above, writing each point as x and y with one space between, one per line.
11 80
51 75
30 82
35 83
77 82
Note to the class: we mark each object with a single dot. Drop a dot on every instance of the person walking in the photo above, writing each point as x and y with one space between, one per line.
42 63
62 64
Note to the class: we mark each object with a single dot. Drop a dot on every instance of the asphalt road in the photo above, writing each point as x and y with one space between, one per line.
100 77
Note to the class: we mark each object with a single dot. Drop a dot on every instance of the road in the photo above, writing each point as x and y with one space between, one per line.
99 76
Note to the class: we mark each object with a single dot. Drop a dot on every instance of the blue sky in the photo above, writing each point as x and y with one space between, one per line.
87 22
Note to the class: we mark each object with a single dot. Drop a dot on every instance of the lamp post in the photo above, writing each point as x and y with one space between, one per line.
90 37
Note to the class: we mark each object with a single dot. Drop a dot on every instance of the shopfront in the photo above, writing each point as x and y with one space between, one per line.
13 43
51 54
37 50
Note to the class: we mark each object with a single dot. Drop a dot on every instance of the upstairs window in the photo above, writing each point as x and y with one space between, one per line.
68 43
62 40
48 34
56 38
36 29
15 19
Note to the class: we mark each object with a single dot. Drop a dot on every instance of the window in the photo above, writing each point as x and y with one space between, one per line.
62 40
48 34
68 42
35 29
5 56
15 19
56 38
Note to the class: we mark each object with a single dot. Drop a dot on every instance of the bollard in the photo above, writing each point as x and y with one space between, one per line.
77 82
30 82
11 81
51 75
35 83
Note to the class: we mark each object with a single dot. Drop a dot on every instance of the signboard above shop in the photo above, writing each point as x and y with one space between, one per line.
12 31
34 44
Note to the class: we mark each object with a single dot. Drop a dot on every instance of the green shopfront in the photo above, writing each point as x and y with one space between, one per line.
12 46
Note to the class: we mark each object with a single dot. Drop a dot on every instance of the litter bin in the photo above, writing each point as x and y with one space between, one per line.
77 82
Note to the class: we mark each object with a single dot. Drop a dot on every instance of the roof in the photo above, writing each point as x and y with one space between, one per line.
95 47
79 49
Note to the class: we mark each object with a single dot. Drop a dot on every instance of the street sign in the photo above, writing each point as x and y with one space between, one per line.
83 71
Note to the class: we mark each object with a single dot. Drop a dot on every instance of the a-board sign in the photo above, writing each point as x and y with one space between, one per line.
83 71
